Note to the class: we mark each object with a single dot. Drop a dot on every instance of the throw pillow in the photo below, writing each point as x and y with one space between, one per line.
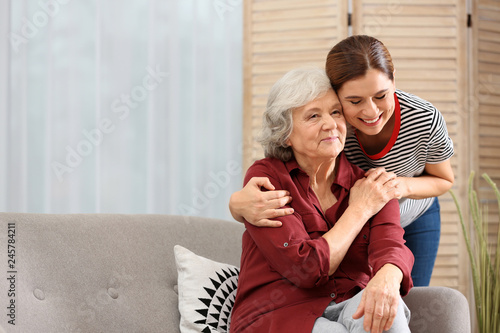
207 290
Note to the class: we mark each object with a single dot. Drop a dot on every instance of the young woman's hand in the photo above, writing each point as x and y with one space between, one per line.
436 180
259 207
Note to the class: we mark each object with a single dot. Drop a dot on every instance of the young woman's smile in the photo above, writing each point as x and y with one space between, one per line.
368 101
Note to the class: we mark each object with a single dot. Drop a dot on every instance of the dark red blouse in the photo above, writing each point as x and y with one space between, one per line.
284 283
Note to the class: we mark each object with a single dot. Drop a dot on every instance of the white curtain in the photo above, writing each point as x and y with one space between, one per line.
120 106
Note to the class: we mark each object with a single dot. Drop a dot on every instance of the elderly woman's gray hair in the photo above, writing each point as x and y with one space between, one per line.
295 89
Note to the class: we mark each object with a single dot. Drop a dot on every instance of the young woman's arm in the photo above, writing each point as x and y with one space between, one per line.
258 207
436 180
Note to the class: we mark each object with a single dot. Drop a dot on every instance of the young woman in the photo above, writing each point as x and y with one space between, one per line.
391 129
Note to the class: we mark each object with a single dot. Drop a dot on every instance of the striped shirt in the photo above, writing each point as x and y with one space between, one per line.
419 137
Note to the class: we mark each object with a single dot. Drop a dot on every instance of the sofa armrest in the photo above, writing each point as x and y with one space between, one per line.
438 310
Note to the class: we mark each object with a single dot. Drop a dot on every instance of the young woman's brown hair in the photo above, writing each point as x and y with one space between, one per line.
354 56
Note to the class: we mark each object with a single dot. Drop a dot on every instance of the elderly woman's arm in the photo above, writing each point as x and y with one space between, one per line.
291 247
290 250
392 263
367 197
307 262
380 299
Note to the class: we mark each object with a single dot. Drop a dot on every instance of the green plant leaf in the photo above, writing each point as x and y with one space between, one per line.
485 269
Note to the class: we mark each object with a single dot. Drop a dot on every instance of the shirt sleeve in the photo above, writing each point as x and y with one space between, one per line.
387 245
289 250
440 144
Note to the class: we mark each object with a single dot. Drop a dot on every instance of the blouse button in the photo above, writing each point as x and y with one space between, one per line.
285 245
332 295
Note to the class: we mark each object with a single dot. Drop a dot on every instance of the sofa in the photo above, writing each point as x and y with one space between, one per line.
117 273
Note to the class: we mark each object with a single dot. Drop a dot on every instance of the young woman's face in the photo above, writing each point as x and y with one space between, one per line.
368 101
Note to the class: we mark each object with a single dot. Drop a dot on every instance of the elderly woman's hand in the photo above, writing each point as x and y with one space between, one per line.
391 181
380 299
257 206
374 191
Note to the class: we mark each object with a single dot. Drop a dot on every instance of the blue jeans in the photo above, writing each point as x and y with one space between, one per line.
422 238
337 318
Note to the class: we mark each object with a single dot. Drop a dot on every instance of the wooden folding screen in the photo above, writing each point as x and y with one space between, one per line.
484 104
281 35
436 57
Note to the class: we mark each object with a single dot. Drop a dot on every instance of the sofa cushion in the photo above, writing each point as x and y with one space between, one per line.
207 290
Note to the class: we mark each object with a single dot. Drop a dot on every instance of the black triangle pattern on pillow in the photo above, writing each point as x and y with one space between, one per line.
217 307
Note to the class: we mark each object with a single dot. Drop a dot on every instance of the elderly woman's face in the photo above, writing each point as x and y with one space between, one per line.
319 128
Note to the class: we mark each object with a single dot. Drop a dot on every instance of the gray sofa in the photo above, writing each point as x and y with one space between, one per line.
116 273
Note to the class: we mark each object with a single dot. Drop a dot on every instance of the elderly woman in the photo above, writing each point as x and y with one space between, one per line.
338 263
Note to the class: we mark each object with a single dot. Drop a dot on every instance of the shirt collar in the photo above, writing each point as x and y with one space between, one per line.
344 175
